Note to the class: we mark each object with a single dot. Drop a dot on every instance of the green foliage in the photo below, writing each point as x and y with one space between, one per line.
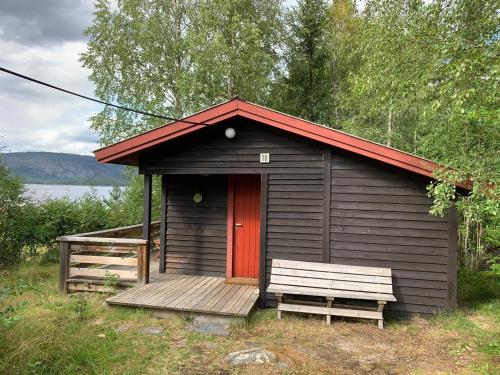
12 220
494 263
234 49
419 76
111 281
475 287
427 82
126 208
28 228
9 315
479 215
81 306
384 88
9 312
52 218
305 93
176 57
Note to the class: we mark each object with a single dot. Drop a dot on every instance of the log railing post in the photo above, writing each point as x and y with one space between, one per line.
63 266
142 264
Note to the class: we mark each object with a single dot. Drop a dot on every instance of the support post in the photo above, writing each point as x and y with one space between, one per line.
329 303
280 301
163 224
142 264
380 309
63 266
146 224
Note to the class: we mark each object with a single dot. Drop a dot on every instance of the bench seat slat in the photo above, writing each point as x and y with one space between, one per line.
328 267
332 276
331 284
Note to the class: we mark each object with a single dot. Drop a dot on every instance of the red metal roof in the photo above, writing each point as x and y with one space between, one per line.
122 152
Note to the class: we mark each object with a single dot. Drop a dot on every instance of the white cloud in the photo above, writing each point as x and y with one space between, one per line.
36 118
44 22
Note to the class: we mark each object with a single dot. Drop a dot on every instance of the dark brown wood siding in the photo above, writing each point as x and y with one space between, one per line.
376 215
294 219
196 232
210 152
379 217
295 188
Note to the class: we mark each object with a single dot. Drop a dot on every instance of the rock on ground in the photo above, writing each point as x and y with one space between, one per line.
250 356
155 331
219 329
122 328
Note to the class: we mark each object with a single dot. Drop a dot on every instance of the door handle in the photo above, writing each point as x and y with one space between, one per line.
238 225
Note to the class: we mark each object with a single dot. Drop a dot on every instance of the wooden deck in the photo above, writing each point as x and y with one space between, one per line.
197 294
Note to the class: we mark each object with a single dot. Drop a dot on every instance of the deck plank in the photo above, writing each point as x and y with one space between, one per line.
168 298
195 294
231 299
200 304
141 293
249 304
147 296
183 294
235 305
137 294
147 292
210 304
233 293
192 302
170 290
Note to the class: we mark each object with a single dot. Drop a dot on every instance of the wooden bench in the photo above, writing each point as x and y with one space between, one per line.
331 281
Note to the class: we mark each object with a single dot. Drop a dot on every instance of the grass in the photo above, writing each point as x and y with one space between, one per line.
44 332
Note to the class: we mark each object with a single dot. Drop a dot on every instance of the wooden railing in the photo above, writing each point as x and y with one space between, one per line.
103 260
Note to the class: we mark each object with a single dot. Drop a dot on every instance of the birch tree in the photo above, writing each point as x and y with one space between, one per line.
175 57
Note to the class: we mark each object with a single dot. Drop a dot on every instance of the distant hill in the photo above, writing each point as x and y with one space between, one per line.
63 169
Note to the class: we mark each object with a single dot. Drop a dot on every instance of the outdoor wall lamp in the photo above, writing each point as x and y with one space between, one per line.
197 198
230 133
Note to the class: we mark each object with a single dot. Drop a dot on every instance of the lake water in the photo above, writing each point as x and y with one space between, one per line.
73 192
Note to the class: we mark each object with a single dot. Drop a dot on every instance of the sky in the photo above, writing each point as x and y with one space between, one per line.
43 39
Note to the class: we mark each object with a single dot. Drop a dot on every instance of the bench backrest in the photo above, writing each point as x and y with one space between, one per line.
331 280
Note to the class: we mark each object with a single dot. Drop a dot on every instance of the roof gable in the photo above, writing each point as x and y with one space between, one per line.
123 152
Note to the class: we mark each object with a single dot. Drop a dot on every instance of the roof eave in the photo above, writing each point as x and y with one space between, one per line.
237 107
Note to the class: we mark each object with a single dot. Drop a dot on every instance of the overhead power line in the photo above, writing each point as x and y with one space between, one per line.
95 99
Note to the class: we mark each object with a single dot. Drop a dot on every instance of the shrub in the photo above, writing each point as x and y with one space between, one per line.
476 287
28 228
12 219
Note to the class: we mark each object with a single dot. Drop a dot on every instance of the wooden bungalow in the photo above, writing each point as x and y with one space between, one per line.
243 185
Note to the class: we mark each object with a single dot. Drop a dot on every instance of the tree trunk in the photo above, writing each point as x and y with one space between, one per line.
389 127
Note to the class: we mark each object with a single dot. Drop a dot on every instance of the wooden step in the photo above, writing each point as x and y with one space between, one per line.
94 285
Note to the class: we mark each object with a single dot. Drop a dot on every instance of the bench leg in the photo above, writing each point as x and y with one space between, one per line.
380 308
280 300
329 303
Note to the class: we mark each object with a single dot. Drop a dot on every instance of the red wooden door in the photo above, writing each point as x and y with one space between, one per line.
246 226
